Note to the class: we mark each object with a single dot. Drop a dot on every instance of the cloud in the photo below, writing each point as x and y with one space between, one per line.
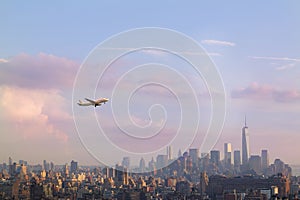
2 60
160 52
281 63
34 113
287 66
253 91
256 91
214 54
195 53
286 96
40 71
154 52
275 58
218 42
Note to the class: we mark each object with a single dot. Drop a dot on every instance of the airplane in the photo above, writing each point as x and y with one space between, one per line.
95 103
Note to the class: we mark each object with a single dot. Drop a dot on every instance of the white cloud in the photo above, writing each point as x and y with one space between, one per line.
275 58
281 63
218 42
190 53
214 54
284 67
2 60
154 52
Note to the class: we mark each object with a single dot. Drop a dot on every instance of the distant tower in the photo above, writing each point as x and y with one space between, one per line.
52 166
10 162
126 162
255 163
169 152
264 159
245 143
161 161
227 154
46 165
237 158
194 154
66 170
74 167
215 157
142 165
152 166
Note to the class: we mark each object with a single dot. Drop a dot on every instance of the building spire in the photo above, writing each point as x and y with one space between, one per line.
245 120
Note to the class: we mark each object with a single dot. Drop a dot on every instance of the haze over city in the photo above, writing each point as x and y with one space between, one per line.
254 45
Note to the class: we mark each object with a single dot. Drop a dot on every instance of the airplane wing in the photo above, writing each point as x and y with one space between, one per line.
92 101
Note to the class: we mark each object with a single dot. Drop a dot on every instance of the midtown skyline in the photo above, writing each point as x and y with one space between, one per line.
254 48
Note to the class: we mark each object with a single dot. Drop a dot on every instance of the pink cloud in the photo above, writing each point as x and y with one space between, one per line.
286 96
39 71
32 113
256 91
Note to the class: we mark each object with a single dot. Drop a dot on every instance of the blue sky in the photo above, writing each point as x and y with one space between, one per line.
254 44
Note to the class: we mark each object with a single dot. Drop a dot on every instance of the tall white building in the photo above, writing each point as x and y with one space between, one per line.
245 144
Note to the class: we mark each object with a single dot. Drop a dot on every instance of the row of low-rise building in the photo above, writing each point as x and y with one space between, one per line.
174 181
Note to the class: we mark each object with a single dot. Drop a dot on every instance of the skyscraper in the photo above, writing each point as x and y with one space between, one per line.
66 170
215 157
194 154
142 165
227 154
126 162
170 152
46 165
264 159
10 162
74 166
255 163
237 158
245 144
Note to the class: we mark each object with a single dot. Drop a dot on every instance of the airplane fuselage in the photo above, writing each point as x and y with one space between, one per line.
95 103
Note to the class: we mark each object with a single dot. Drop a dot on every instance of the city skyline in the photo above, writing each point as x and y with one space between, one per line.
254 49
187 176
229 156
260 164
222 154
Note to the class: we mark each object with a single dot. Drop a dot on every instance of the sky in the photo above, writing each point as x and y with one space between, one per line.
254 46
